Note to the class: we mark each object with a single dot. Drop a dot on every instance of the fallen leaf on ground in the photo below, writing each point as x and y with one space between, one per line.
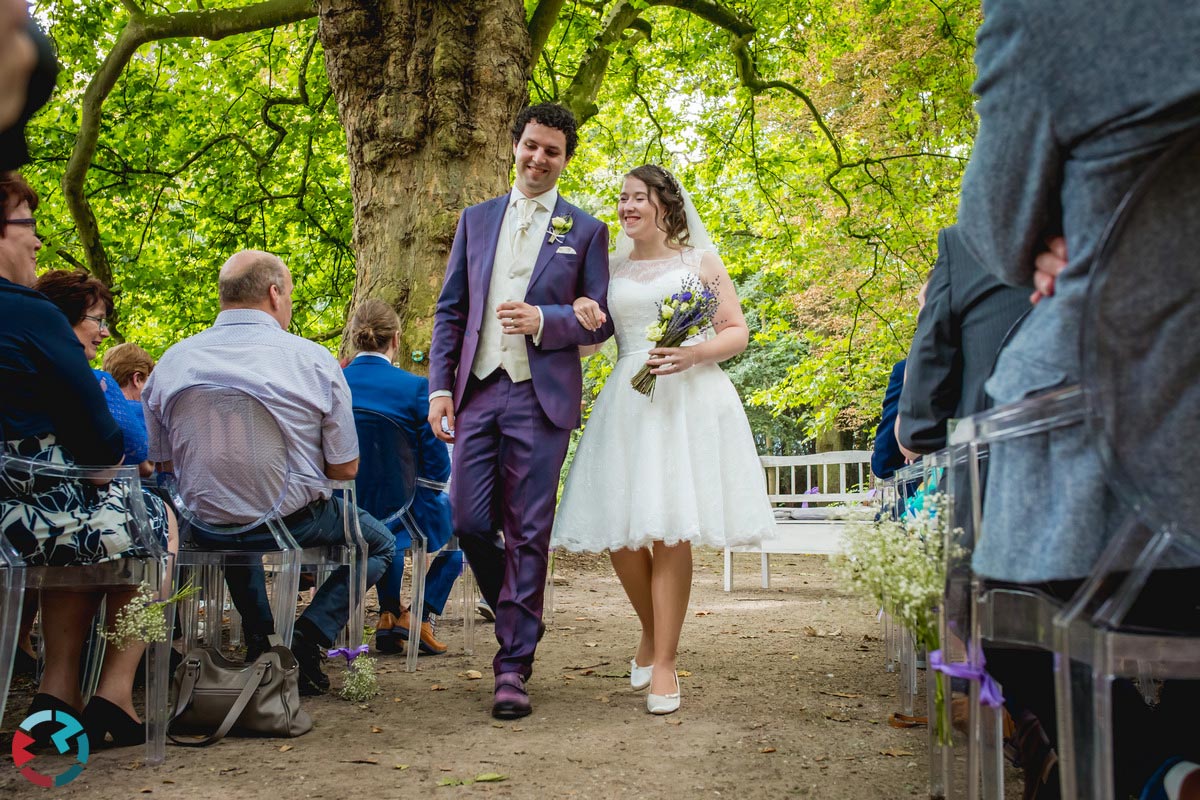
437 687
376 729
285 748
837 718
703 613
497 724
400 766
471 675
360 761
767 750
591 644
490 777
895 752
683 673
450 782
821 633
673 721
847 695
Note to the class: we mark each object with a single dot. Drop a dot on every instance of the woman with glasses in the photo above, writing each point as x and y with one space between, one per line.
87 304
53 410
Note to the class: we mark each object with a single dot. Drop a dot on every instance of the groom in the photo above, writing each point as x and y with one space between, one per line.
504 374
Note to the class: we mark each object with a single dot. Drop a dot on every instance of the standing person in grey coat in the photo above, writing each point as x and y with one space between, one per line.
1076 99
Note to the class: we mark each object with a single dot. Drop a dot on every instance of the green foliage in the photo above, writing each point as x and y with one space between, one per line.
208 147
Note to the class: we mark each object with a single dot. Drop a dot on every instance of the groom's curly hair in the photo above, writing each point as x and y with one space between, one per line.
551 115
665 188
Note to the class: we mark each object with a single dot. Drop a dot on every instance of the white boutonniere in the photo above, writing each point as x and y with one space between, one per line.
559 227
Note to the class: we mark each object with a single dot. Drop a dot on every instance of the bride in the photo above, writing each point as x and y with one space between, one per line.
654 475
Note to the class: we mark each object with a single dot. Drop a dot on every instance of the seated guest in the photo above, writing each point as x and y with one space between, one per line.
966 315
248 348
378 386
886 457
73 292
52 410
1063 136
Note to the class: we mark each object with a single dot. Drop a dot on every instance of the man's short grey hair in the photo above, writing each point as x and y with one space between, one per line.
247 277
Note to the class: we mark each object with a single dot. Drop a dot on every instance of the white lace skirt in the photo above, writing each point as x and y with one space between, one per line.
679 467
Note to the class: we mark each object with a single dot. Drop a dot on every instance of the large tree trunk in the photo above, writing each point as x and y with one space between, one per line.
426 92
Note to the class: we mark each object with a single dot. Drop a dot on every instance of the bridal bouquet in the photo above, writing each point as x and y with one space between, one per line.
680 317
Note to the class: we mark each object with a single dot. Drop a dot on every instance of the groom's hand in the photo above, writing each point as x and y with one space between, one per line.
442 408
518 318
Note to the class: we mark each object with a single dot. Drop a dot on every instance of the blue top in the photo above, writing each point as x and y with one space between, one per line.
378 386
48 385
129 416
887 458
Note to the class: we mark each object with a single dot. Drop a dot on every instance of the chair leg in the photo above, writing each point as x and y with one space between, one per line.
468 608
728 570
766 570
12 598
94 653
416 612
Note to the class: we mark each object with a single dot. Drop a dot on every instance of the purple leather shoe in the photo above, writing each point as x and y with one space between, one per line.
511 701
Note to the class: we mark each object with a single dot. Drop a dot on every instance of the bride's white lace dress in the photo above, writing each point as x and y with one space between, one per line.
680 466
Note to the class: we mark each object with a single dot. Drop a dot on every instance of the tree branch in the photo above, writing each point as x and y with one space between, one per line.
141 29
541 23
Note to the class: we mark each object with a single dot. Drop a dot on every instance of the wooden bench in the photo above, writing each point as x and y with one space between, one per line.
806 494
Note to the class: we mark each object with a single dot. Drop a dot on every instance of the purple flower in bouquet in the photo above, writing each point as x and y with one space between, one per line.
681 316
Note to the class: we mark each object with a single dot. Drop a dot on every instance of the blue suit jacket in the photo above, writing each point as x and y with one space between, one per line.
378 386
886 457
560 277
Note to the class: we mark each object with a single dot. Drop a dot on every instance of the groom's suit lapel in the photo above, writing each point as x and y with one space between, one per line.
561 209
490 239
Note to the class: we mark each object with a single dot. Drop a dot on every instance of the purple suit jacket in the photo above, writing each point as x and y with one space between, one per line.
558 280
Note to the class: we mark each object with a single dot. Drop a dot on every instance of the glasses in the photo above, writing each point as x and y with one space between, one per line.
101 322
28 222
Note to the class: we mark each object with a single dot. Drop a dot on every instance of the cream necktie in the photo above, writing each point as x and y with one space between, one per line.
525 209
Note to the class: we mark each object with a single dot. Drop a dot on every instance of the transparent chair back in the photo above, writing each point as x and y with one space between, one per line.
1136 617
233 475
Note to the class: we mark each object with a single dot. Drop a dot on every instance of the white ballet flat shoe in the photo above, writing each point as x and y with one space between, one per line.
664 703
639 677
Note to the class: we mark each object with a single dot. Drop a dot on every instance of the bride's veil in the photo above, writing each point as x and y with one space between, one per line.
697 234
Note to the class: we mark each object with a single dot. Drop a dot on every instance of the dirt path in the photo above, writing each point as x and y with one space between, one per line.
769 710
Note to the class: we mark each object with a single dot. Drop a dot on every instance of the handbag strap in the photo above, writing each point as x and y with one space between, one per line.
254 677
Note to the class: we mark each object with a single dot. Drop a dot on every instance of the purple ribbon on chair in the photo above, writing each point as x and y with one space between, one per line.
989 690
349 653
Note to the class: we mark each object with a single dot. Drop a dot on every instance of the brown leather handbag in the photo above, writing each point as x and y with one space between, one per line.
215 697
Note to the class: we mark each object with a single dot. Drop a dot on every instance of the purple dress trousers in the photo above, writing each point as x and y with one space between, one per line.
511 438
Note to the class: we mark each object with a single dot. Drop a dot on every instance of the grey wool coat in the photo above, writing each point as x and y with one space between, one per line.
1075 99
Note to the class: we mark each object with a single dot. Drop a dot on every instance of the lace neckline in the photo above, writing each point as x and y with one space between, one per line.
675 254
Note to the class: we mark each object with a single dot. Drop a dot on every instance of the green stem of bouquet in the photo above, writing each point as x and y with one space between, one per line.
644 380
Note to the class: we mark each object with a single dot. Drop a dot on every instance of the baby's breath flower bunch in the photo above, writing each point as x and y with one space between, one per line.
142 619
901 564
360 681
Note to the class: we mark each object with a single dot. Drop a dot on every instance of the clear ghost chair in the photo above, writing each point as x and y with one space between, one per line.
155 569
219 438
388 481
1136 617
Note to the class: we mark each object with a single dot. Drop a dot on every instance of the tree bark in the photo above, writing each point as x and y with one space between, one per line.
427 92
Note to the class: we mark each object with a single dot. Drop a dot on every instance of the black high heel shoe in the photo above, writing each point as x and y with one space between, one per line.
101 719
42 731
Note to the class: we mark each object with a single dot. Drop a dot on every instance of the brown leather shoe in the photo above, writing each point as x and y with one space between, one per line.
429 642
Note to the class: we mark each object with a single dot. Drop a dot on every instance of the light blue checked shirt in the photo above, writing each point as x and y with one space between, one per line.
299 381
